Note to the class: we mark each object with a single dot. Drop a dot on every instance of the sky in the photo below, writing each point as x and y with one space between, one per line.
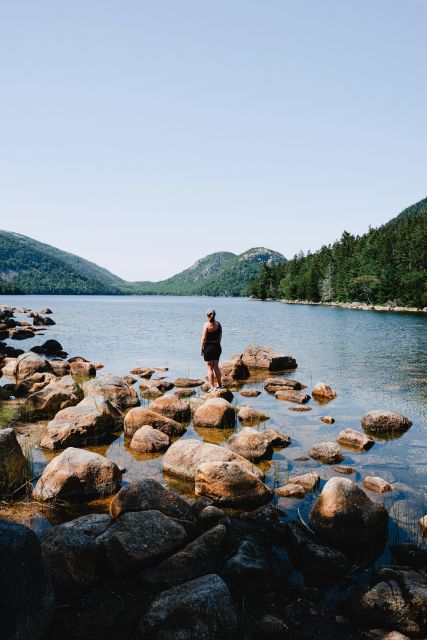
143 135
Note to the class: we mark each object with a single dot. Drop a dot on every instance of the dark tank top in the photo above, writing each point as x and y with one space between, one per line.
213 336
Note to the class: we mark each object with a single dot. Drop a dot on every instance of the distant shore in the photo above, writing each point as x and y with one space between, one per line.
359 306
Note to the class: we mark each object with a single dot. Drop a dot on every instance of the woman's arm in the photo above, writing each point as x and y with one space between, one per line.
204 334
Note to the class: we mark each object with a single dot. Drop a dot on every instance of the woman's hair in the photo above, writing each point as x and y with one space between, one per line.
211 313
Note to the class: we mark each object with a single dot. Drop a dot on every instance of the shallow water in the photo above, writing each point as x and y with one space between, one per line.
373 360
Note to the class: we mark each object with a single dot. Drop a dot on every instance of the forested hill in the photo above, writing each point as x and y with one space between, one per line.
387 264
219 274
29 266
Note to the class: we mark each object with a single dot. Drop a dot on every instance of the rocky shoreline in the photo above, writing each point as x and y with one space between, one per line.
227 562
359 306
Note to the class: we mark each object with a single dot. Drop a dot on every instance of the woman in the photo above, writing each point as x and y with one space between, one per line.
211 349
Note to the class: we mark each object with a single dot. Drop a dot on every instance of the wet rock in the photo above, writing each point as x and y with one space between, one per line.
129 380
299 486
343 469
198 558
27 602
250 393
49 348
54 397
256 565
277 383
140 416
159 384
172 407
327 419
13 464
200 608
251 444
226 394
185 456
188 382
216 413
234 369
60 367
21 333
231 484
261 357
320 564
276 438
149 495
299 409
76 474
326 452
82 371
249 414
45 311
291 490
114 388
151 394
42 321
34 383
345 517
29 363
267 519
210 516
139 539
142 372
410 555
70 557
377 484
149 440
383 423
354 440
92 524
292 396
322 391
184 393
88 422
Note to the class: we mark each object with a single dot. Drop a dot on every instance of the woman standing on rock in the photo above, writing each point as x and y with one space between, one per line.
211 348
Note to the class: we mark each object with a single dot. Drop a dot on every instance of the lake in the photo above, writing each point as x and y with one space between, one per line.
373 360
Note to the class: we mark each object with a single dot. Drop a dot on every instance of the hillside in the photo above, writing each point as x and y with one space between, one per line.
387 264
219 274
29 266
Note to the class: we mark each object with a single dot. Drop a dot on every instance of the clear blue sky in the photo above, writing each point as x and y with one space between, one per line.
146 134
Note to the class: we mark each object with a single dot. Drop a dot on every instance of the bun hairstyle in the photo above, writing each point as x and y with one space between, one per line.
211 313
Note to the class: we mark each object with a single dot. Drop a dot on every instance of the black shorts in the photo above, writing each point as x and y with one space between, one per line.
212 351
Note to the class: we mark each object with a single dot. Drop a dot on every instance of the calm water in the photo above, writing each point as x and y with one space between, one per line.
373 360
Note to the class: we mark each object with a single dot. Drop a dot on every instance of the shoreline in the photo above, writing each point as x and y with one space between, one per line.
358 306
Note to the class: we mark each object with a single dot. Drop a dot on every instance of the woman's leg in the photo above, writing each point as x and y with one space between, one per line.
211 375
217 371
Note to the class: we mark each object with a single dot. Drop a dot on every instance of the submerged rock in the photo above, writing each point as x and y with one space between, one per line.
385 423
215 413
345 517
76 474
140 416
149 440
27 601
250 393
201 608
231 484
261 357
377 484
299 486
138 539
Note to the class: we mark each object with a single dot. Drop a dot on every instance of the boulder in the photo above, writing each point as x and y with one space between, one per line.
34 383
292 396
70 557
276 438
216 413
234 369
343 469
172 407
142 372
54 397
49 348
13 464
257 565
21 333
326 452
44 312
260 357
139 539
149 495
150 394
114 389
345 517
231 484
60 367
249 414
188 382
92 524
299 486
29 363
251 444
201 608
354 440
385 423
76 474
9 368
250 393
327 419
409 555
377 484
198 558
140 416
226 394
27 602
42 321
277 383
88 422
159 384
185 456
184 393
82 371
149 440
322 391
299 409
210 516
291 490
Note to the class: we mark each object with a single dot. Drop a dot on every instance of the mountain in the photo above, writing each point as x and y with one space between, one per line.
29 266
218 274
387 264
